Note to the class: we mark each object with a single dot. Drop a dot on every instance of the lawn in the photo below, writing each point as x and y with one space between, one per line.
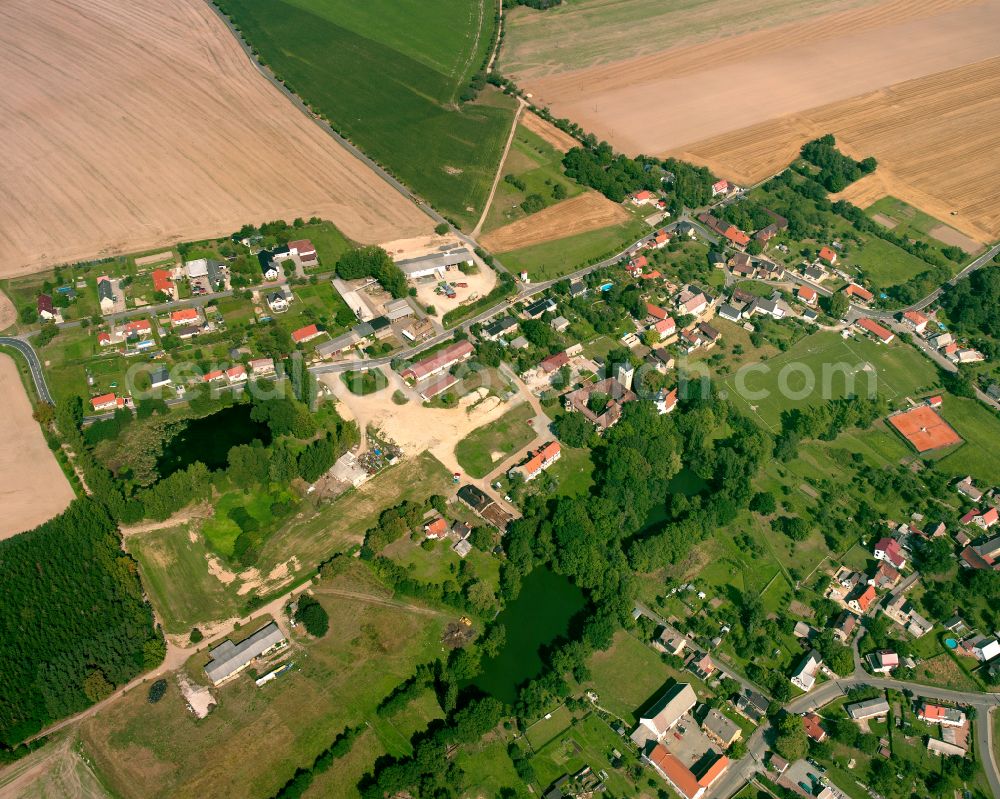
538 165
485 447
256 737
326 527
573 472
980 428
546 729
824 366
913 223
405 114
329 242
440 563
556 258
883 264
364 383
174 574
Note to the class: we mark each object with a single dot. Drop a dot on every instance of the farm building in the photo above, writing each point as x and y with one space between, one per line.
439 362
229 659
435 263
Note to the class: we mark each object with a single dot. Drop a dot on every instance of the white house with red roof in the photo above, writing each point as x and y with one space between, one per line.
986 519
665 328
916 320
436 529
107 402
660 240
666 401
307 333
215 376
139 327
644 197
104 339
163 281
827 256
538 462
185 316
808 295
720 187
888 549
236 374
875 330
304 250
938 714
862 598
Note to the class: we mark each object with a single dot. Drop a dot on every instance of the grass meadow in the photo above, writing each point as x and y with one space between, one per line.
554 259
417 58
485 447
256 737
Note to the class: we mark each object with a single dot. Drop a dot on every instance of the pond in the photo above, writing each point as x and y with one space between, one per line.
540 614
210 438
686 482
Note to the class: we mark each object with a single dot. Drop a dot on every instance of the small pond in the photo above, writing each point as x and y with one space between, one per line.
540 614
210 438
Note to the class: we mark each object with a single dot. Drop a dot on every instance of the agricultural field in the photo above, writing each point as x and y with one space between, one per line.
256 737
487 446
980 428
903 218
406 114
33 487
137 125
552 259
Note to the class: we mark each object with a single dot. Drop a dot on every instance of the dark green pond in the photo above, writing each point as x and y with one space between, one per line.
540 614
210 438
686 482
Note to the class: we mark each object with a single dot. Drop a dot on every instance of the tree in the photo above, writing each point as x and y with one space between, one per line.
442 228
763 503
792 742
156 691
836 305
196 635
311 615
935 556
573 429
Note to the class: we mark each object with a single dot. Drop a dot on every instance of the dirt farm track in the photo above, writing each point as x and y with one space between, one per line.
131 124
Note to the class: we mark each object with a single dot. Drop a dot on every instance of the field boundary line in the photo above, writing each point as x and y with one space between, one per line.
503 160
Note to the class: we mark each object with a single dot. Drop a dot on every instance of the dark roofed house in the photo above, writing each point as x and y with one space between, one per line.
270 262
46 310
539 307
229 659
473 497
617 395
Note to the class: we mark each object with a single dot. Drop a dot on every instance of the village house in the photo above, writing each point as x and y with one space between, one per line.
644 197
813 727
804 677
665 329
307 333
617 395
938 714
106 294
660 240
884 577
742 265
538 462
889 550
916 320
670 642
875 330
655 313
680 777
107 402
536 309
438 528
728 312
983 519
967 488
559 324
163 282
827 256
868 709
554 363
46 310
665 401
986 649
259 367
883 661
656 723
277 302
720 729
236 374
304 251
753 705
692 302
815 273
720 187
185 316
853 290
760 305
499 328
808 295
138 328
861 599
844 626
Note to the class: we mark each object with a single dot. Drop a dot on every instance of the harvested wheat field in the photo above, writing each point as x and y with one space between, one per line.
8 314
659 102
131 124
588 211
548 132
936 139
33 488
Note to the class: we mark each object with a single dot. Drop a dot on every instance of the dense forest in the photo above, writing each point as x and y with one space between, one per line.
74 623
836 170
974 304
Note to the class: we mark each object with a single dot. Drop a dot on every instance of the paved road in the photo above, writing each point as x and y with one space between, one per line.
37 375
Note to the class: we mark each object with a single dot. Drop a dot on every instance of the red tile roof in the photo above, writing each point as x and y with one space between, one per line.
305 333
854 290
104 399
679 775
184 315
713 772
162 281
813 727
665 326
807 293
304 247
915 317
736 236
546 453
436 528
876 329
828 255
866 597
554 362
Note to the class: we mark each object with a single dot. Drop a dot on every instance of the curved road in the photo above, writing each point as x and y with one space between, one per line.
25 348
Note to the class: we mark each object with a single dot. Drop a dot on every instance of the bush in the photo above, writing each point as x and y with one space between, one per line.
442 229
156 691
311 615
196 635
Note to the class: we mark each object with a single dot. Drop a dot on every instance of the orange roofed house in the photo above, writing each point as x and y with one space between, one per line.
875 330
924 429
858 292
538 462
163 281
828 256
185 316
680 777
304 334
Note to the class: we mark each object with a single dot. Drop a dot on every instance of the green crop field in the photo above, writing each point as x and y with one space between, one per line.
556 258
829 364
980 428
487 446
416 59
915 224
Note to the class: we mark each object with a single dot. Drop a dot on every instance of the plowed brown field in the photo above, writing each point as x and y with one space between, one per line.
588 211
131 124
561 140
936 140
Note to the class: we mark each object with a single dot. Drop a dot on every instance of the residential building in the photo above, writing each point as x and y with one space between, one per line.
495 330
643 197
307 333
945 749
885 576
753 705
987 649
617 396
339 345
807 294
889 550
304 250
805 675
827 256
844 626
163 282
666 401
916 320
277 302
938 714
813 727
439 362
438 528
680 777
554 362
664 714
727 311
869 709
883 661
538 462
138 328
229 659
185 316
875 330
861 599
236 374
46 310
968 489
106 294
159 377
720 729
262 366
853 290
536 309
107 402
